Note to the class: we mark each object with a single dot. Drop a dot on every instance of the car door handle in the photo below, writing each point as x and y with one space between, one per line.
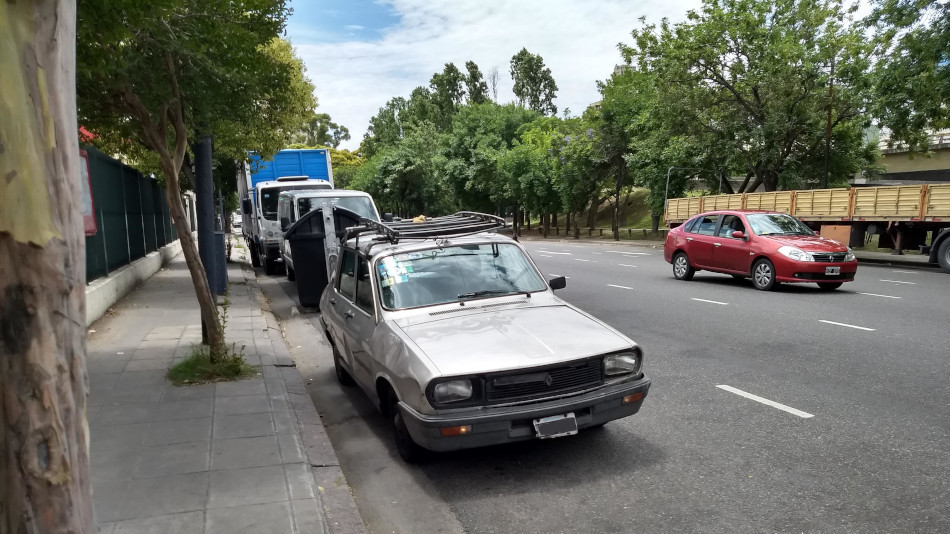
689 238
718 244
333 301
348 314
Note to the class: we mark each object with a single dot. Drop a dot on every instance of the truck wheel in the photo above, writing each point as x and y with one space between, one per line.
255 257
943 255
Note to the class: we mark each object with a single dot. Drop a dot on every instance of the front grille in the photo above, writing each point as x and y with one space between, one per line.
829 257
544 382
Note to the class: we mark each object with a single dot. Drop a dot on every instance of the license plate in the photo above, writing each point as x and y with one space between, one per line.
832 270
555 426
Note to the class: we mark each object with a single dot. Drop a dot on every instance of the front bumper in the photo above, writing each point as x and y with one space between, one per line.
495 425
806 271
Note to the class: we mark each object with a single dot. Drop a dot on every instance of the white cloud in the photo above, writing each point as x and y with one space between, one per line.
578 41
353 27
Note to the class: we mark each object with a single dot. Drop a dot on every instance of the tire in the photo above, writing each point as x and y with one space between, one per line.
342 376
682 270
255 257
829 286
408 449
763 275
739 276
943 255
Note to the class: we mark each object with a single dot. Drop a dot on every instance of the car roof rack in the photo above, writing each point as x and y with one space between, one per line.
459 224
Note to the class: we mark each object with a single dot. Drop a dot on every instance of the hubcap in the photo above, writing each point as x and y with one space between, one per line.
680 265
763 275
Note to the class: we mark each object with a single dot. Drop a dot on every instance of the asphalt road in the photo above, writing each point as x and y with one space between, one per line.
848 429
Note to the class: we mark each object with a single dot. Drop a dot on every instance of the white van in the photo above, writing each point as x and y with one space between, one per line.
292 205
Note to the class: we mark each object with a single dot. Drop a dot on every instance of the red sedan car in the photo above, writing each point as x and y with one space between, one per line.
770 247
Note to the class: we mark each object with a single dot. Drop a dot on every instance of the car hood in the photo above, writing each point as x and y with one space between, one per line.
515 338
809 243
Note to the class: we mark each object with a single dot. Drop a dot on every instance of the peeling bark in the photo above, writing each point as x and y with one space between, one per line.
44 451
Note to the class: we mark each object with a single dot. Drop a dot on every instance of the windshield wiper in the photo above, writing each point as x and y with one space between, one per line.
484 292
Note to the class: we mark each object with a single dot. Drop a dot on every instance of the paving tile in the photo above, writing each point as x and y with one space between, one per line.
147 497
108 498
258 519
175 459
291 449
140 379
165 332
187 409
106 366
112 465
184 523
308 516
159 344
151 364
106 528
124 414
179 431
243 426
181 393
131 395
252 386
285 423
300 481
241 404
244 452
240 487
150 354
118 437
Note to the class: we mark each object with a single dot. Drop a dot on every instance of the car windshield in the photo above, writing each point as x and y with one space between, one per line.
777 224
362 206
269 198
455 273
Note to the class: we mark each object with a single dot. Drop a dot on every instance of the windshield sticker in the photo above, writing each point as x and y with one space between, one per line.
396 268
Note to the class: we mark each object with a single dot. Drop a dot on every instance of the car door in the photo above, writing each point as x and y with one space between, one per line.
730 253
700 239
359 320
341 305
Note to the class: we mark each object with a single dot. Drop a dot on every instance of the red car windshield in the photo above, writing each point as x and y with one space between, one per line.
777 224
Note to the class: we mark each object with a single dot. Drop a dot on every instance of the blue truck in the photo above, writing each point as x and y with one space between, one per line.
259 185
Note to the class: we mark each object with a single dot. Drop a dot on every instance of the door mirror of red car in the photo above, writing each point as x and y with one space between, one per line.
738 234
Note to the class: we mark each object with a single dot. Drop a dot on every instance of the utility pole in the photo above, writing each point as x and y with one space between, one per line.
204 208
831 99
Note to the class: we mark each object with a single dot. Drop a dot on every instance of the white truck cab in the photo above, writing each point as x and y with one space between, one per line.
294 204
266 226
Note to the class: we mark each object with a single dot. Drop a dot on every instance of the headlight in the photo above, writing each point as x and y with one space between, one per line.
796 254
452 391
850 255
624 363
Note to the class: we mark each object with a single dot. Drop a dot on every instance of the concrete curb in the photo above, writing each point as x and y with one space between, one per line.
898 262
103 293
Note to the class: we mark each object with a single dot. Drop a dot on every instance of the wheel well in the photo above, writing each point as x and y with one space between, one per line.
756 259
941 237
383 391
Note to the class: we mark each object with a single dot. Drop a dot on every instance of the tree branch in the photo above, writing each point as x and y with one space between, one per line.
181 133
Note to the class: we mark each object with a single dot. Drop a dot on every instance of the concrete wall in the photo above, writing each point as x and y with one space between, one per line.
102 293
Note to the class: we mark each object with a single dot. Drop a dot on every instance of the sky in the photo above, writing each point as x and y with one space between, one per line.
361 53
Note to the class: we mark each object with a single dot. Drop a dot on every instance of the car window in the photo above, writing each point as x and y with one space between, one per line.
777 224
689 224
705 225
731 223
364 286
455 273
362 206
348 275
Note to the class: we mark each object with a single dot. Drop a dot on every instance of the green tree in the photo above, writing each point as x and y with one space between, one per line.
158 74
475 85
320 130
912 76
448 90
749 80
533 84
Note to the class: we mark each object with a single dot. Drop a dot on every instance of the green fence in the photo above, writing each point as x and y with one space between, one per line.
132 216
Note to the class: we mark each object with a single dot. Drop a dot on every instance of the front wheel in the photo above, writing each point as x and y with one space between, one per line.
763 275
682 270
408 449
255 257
943 255
829 286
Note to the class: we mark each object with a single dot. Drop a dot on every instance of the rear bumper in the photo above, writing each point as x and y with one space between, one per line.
496 425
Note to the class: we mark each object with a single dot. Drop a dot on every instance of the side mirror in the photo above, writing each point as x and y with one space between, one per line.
387 217
284 223
738 235
246 206
558 283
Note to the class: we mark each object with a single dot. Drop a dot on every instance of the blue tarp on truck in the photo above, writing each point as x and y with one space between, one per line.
314 163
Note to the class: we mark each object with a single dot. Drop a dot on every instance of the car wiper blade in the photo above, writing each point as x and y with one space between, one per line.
484 292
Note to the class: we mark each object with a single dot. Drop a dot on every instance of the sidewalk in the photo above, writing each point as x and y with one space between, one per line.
226 458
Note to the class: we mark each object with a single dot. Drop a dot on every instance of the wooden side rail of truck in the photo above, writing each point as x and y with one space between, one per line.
902 215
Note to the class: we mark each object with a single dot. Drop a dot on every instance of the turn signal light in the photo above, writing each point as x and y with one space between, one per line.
456 430
633 398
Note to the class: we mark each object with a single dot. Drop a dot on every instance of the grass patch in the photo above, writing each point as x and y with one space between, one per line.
198 368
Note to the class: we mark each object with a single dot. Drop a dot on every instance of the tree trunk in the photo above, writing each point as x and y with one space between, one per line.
515 220
546 224
567 222
655 222
592 214
44 463
527 219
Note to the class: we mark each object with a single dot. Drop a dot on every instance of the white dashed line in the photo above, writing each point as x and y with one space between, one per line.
625 265
904 272
876 295
558 253
579 259
847 325
767 402
556 275
629 253
899 282
621 287
598 253
543 256
712 302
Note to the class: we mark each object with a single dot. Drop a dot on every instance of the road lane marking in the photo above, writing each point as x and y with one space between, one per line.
625 265
767 402
598 253
904 272
556 275
876 295
543 256
899 282
847 325
579 259
629 253
621 287
712 302
558 253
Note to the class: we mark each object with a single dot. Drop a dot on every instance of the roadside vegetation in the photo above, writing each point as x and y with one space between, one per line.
199 368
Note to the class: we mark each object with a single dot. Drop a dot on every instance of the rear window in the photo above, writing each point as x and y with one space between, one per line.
705 225
362 206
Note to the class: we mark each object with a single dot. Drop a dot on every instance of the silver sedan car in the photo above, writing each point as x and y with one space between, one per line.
461 343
